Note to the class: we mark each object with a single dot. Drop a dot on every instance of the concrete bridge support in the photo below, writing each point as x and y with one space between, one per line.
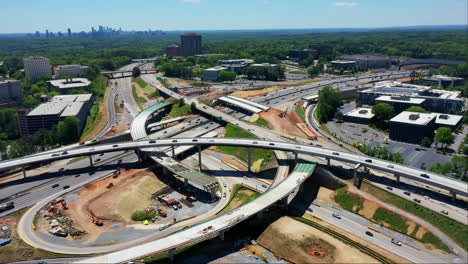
328 161
138 153
355 177
296 156
199 158
397 178
284 202
221 235
24 171
185 183
90 161
171 254
249 160
454 196
173 151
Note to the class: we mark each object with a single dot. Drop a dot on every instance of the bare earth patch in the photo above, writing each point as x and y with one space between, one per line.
285 124
291 240
368 209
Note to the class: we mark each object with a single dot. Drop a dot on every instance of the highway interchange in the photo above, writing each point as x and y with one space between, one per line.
275 98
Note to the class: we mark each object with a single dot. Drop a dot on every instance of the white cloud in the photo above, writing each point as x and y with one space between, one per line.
191 1
345 4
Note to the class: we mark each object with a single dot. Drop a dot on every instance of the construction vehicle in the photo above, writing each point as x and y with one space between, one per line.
162 213
64 204
98 221
116 172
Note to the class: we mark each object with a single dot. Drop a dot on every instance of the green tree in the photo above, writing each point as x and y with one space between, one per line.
417 109
136 72
67 130
227 76
460 165
444 135
382 113
329 99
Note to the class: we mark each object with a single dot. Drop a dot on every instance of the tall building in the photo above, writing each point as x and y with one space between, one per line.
173 50
36 66
191 44
11 90
69 32
47 33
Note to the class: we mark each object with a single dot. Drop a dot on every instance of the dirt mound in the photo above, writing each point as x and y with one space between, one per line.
292 240
285 124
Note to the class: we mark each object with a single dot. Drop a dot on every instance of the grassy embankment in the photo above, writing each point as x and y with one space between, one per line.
99 114
148 90
301 113
258 155
180 109
455 230
239 196
261 122
389 219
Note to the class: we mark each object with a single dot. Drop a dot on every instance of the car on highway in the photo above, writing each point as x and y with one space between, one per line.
66 187
119 161
336 153
91 173
417 200
368 160
152 141
114 146
55 155
78 175
61 169
65 152
407 193
271 144
55 185
389 188
390 166
224 195
369 233
444 212
165 131
424 175
102 154
336 215
174 141
97 160
318 145
264 186
194 140
7 206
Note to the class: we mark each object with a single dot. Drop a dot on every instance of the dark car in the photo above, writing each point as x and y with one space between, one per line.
152 141
424 175
417 200
66 187
114 146
55 185
389 188
7 206
369 233
119 161
407 193
369 160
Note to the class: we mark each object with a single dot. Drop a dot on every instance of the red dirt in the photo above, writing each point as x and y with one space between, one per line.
283 124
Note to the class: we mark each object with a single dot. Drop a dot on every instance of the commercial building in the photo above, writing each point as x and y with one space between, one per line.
301 54
443 81
48 114
173 50
359 115
236 66
343 64
412 127
65 85
400 103
440 101
191 44
369 61
36 66
11 90
322 49
212 74
274 67
72 70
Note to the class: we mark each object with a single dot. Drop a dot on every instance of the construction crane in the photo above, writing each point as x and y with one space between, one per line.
98 221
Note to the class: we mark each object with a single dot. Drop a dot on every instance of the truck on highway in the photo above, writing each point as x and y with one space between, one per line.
219 118
7 206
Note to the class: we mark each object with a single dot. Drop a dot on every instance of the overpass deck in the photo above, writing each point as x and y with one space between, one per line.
248 102
239 104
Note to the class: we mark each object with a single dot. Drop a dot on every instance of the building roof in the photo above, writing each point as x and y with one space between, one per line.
361 113
442 78
394 88
67 98
343 61
216 68
449 120
400 99
70 66
62 105
413 118
70 83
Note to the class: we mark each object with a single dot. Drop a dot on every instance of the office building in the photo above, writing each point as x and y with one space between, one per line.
69 32
11 90
400 103
72 70
212 74
274 67
343 64
65 85
236 66
36 66
412 127
322 49
440 101
443 81
48 114
359 115
191 44
302 54
173 50
369 61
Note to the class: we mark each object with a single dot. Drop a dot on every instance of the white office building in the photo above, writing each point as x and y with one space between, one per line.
72 70
36 66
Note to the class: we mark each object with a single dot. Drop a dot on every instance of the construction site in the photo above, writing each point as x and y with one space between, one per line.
120 208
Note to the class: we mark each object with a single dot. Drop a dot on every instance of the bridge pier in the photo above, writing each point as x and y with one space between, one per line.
296 156
138 153
249 160
171 254
285 203
173 151
454 196
397 176
221 235
355 177
24 171
199 158
328 161
90 161
185 182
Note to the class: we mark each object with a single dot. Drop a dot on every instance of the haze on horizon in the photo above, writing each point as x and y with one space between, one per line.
26 16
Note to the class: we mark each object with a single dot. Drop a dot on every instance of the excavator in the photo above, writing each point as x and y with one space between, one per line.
98 221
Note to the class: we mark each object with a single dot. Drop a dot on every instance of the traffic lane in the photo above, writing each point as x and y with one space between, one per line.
405 251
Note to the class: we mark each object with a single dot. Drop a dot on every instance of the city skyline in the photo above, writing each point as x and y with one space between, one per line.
187 15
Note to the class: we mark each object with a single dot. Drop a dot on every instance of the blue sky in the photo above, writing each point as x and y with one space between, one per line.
58 15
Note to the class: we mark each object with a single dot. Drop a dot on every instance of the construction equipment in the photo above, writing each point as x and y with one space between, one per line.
116 172
110 185
98 221
64 204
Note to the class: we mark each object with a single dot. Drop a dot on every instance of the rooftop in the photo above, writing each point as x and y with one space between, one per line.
449 120
365 57
413 118
361 113
400 99
216 68
70 83
71 98
343 61
62 105
394 88
442 78
71 66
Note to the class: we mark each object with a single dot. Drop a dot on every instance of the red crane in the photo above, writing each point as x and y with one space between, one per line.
98 221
